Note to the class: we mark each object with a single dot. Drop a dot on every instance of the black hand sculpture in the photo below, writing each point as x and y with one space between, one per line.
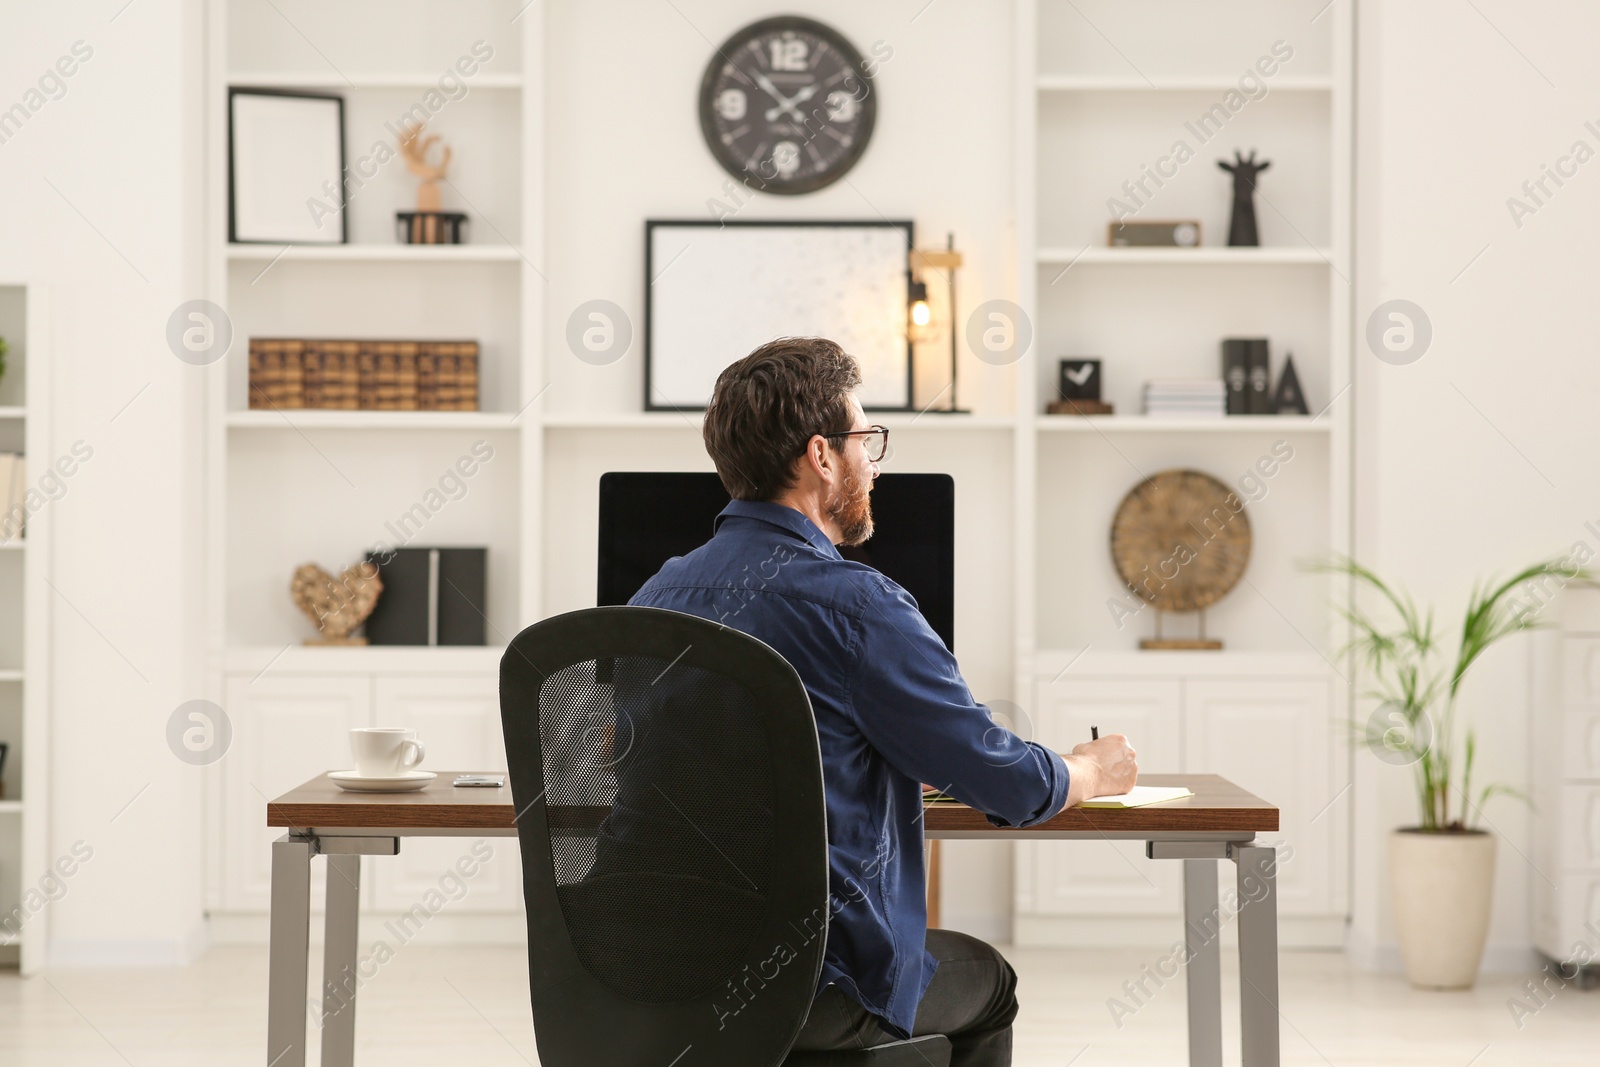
1242 230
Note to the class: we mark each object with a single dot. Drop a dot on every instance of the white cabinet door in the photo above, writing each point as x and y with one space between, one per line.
1582 670
1104 877
457 717
286 729
1276 739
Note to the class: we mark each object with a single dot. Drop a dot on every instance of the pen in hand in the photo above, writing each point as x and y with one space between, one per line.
1094 733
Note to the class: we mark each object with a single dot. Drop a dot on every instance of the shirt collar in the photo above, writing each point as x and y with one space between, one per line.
781 516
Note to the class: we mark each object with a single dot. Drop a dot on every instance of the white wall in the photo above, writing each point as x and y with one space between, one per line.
625 145
1478 457
1457 455
100 189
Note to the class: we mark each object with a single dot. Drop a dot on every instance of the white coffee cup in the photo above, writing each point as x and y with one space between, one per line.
385 751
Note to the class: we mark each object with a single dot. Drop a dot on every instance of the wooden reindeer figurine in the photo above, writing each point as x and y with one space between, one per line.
428 225
1242 230
415 148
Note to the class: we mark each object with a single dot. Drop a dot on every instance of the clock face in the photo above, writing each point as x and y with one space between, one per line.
787 105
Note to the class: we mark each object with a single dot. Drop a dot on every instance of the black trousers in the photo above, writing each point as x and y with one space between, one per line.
972 1000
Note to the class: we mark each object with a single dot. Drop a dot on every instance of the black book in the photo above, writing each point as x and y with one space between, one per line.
1260 378
431 596
1236 373
463 593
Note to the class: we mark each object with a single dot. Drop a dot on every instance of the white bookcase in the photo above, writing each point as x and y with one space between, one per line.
1106 90
24 624
326 486
1035 494
1565 741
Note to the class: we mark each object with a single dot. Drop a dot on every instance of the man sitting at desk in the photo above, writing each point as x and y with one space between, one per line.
795 451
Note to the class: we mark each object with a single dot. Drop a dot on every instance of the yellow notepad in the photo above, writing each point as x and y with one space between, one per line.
1139 796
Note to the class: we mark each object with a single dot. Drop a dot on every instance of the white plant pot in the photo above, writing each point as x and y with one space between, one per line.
1443 884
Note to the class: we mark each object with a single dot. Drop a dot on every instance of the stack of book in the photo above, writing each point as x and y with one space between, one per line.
364 375
13 488
1245 368
277 373
332 375
1185 398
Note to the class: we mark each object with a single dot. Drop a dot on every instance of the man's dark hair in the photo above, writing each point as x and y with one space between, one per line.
769 404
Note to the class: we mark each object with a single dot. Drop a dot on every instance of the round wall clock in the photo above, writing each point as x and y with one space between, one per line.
787 105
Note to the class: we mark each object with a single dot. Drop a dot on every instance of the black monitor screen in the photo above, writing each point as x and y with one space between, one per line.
647 518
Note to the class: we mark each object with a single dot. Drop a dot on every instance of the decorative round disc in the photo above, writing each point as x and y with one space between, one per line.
1181 540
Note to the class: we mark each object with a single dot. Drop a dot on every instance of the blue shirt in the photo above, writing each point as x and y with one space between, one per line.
892 712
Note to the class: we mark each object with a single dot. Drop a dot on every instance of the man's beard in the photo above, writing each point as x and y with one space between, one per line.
851 510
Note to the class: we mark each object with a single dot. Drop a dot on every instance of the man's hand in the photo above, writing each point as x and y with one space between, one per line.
1107 767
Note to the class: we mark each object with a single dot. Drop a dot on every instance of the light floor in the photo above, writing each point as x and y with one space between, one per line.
433 1005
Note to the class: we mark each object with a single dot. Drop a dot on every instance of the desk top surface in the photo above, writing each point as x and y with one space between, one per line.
1217 806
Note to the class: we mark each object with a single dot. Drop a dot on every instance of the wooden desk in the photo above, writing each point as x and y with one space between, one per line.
1218 823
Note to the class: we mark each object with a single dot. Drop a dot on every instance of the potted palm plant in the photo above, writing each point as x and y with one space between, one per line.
1441 869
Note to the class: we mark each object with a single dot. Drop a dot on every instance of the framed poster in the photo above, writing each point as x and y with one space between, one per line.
285 168
716 290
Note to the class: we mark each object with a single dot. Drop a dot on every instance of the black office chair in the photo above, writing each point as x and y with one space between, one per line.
668 785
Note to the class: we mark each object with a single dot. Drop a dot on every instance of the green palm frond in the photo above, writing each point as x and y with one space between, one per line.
1400 647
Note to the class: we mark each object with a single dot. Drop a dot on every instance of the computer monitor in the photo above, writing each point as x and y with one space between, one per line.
647 518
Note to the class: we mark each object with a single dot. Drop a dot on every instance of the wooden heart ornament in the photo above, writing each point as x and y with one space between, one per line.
336 605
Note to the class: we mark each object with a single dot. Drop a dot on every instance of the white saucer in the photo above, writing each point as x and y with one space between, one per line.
404 782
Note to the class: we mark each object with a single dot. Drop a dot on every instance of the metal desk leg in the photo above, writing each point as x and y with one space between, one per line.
1258 954
289 950
1202 931
340 945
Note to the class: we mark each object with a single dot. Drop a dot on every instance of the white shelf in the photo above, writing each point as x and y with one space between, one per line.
1168 424
1186 256
935 420
10 807
362 659
315 419
392 80
10 676
1099 83
14 545
1050 663
13 412
691 420
396 253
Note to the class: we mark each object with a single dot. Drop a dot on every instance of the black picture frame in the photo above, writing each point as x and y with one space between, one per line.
234 93
1069 389
651 275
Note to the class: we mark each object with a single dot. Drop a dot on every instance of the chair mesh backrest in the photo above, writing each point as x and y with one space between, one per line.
658 785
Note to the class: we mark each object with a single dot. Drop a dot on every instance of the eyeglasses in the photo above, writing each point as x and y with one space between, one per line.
876 443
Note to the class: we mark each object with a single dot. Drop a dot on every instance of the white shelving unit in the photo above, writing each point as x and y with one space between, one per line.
1195 257
1114 83
1037 492
267 79
484 253
327 486
1276 424
370 420
1105 91
24 624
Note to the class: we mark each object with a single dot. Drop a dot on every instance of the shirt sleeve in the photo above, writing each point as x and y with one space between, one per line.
911 703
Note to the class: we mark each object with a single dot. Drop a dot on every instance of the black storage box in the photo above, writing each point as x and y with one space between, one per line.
431 596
